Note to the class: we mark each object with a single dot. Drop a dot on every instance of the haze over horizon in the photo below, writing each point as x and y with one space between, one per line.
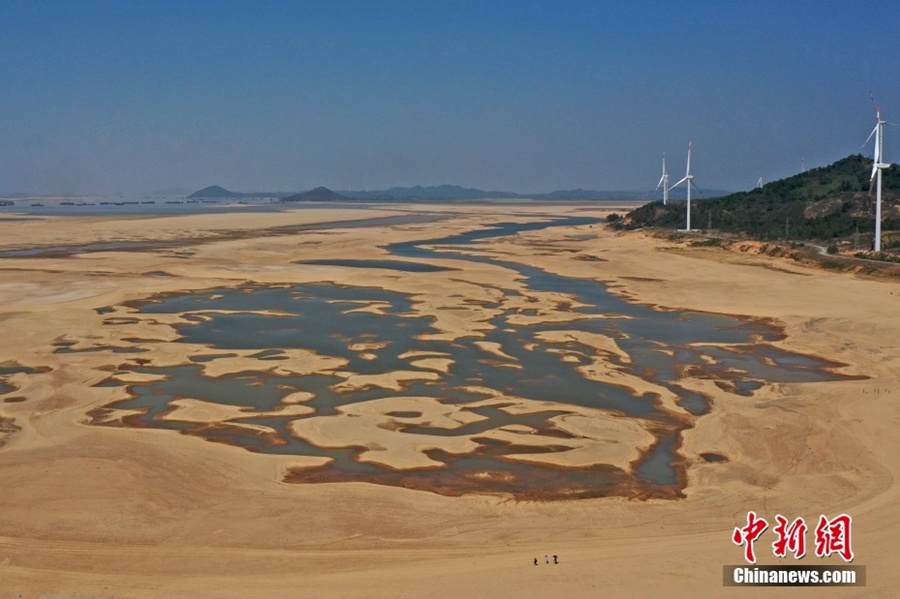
104 97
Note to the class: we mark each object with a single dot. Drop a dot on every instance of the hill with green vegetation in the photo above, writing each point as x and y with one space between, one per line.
214 191
823 203
319 194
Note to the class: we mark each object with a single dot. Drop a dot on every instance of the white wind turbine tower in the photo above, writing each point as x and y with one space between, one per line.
877 167
664 181
689 179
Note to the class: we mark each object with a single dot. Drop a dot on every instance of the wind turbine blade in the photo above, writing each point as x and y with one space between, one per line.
661 179
870 135
689 161
679 183
697 188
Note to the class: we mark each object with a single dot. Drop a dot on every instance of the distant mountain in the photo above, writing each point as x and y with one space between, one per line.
437 193
319 194
823 203
214 191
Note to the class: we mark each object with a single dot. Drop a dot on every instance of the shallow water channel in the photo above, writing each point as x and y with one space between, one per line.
662 347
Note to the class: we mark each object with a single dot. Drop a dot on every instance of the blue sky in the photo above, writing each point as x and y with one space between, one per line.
136 97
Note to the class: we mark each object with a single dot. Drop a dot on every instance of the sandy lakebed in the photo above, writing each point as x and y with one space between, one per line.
94 507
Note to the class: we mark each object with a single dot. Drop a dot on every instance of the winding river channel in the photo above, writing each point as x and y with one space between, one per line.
532 363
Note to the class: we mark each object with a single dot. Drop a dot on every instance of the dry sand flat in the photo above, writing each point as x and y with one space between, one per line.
119 512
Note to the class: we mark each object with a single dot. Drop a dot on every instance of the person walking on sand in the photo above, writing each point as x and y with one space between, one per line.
535 561
555 560
547 559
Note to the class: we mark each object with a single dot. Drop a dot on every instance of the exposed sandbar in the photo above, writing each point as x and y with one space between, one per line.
111 511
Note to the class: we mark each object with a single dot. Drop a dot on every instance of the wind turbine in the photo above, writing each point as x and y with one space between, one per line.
689 180
877 167
664 181
759 183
